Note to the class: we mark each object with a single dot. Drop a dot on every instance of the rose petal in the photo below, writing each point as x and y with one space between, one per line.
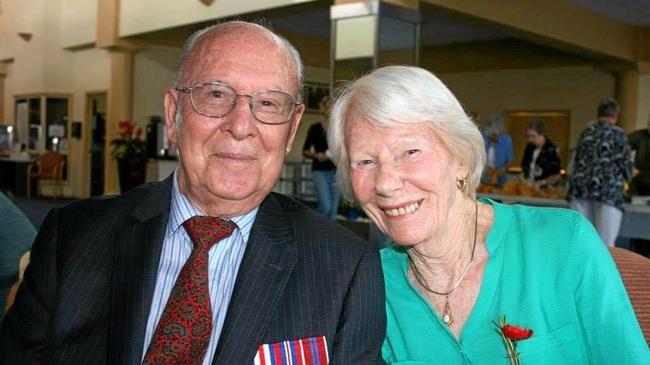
516 333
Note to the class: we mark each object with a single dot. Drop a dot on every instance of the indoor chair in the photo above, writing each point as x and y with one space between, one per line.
49 166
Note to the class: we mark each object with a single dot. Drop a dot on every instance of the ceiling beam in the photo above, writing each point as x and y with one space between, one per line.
556 22
495 55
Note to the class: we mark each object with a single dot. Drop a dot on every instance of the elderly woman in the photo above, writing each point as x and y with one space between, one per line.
412 159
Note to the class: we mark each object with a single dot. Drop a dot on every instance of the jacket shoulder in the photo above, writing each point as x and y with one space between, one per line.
310 224
111 208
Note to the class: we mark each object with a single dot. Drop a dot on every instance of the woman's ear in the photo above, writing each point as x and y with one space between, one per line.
462 171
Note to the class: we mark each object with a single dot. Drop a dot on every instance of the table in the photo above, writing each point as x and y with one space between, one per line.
13 176
636 217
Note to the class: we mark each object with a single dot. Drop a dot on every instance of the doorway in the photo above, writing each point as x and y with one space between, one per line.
96 130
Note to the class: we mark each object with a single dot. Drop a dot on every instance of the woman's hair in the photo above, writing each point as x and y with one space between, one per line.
394 95
538 126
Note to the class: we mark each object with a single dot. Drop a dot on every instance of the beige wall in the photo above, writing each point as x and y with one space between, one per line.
80 19
577 89
155 69
7 20
56 64
136 15
644 101
42 65
96 77
25 73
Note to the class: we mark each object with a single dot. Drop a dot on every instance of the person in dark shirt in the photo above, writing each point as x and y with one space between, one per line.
541 162
323 169
640 143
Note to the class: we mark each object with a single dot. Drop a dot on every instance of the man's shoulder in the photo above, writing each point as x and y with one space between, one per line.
101 207
308 223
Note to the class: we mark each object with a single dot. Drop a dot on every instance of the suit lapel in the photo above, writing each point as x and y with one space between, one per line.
137 253
269 259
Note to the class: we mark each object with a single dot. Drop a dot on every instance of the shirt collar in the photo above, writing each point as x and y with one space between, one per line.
182 210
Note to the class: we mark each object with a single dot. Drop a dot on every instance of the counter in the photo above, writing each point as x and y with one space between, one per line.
636 217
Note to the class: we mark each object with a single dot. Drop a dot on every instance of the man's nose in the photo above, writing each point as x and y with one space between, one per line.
388 179
241 121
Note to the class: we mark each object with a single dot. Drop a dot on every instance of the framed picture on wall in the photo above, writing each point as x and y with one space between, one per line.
313 93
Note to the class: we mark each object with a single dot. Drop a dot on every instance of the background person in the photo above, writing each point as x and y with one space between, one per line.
498 147
323 169
412 159
138 278
541 161
601 165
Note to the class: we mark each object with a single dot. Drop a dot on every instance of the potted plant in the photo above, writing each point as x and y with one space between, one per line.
130 152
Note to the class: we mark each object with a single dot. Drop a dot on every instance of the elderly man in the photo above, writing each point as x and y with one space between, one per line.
208 266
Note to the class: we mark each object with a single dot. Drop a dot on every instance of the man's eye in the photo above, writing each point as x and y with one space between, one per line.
216 94
268 104
412 152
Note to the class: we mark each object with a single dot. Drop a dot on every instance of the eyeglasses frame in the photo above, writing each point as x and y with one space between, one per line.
188 89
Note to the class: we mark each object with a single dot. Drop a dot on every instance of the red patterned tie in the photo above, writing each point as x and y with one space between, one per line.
183 332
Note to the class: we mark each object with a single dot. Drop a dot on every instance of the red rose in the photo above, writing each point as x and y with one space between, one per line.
516 333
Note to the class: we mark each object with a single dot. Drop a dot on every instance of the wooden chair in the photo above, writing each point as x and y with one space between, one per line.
49 166
635 271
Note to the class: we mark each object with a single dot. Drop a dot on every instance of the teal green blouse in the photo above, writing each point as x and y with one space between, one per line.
547 270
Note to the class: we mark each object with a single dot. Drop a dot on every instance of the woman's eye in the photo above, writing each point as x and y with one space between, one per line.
410 153
364 164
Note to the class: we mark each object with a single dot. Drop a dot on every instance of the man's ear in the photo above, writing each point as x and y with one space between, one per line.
171 105
295 122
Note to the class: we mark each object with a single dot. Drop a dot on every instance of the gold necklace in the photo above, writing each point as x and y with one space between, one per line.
447 316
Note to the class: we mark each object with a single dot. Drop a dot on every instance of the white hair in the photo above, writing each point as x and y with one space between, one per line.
394 95
226 27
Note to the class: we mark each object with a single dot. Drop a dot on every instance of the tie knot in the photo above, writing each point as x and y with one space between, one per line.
206 231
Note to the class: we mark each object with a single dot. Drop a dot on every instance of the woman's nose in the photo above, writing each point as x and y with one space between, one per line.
388 180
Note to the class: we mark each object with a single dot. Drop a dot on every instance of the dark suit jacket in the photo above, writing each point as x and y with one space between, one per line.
548 160
88 290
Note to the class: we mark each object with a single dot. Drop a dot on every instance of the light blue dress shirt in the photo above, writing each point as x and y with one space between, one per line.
224 260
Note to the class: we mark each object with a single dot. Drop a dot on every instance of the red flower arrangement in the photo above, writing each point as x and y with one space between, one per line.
510 335
129 144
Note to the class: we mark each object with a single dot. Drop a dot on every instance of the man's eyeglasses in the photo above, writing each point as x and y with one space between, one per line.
216 100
